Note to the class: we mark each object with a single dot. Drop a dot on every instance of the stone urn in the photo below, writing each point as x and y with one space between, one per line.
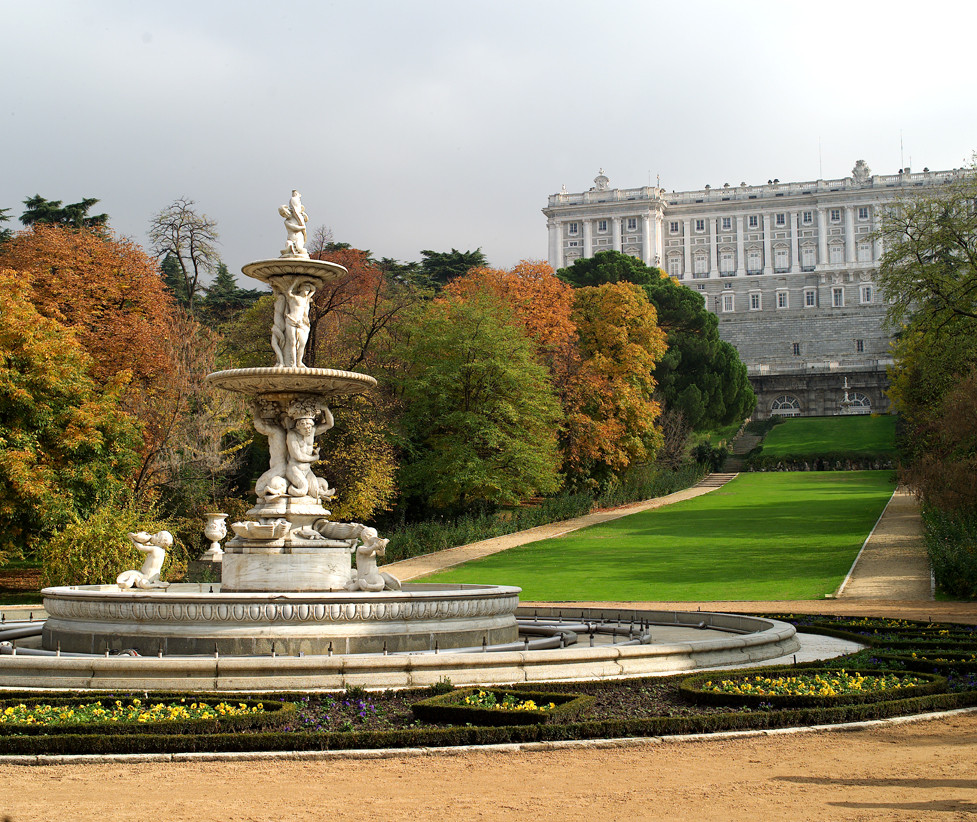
215 530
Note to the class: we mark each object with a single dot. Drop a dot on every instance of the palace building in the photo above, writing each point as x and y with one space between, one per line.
788 268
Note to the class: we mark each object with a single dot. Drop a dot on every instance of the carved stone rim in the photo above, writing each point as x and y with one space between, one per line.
320 270
198 593
323 382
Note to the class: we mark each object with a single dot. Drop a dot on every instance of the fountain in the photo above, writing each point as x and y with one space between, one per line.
292 610
287 582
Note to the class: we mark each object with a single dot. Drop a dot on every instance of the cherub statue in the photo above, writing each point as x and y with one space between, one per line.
296 224
267 421
368 576
147 577
309 420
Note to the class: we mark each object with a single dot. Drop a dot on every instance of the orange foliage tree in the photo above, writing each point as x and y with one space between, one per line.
110 293
600 346
65 445
611 386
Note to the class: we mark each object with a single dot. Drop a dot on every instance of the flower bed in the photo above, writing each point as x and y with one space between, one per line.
939 660
40 716
500 707
793 688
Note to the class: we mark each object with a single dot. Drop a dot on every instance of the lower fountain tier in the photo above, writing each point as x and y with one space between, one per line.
201 619
270 570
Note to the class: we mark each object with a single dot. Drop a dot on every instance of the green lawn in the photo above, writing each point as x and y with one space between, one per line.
803 436
760 537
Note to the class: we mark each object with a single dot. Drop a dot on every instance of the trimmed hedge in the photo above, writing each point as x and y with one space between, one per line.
454 736
448 707
963 663
691 690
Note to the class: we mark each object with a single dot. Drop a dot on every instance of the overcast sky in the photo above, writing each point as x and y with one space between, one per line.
416 124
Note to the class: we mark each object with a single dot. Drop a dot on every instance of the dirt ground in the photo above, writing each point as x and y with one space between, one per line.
921 770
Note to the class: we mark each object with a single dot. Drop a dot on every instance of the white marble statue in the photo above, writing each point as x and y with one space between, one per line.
306 421
368 576
268 421
296 224
290 331
154 547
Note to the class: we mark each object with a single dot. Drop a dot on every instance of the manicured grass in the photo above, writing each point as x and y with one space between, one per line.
811 436
760 537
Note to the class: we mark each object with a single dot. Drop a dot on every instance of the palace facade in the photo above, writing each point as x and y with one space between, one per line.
788 268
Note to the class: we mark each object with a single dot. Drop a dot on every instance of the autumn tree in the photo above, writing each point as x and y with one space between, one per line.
480 418
104 288
190 238
66 445
701 375
613 425
74 215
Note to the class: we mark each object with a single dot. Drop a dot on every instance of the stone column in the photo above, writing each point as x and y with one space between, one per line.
822 237
588 238
740 248
767 245
555 231
648 240
849 234
687 235
616 233
713 223
795 250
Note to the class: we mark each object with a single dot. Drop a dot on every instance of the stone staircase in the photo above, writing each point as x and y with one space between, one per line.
715 480
742 444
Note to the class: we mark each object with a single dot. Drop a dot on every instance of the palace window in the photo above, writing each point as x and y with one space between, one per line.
673 227
808 257
836 215
864 252
786 405
727 223
782 299
700 226
796 348
781 220
863 212
865 294
780 261
573 243
860 346
701 264
675 266
810 298
754 261
838 297
756 301
701 287
807 218
836 253
602 226
572 228
727 302
727 267
754 221
632 223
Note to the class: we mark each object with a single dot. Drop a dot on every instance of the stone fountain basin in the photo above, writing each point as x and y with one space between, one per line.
189 618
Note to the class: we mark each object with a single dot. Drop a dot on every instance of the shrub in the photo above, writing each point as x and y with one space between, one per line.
96 550
951 540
